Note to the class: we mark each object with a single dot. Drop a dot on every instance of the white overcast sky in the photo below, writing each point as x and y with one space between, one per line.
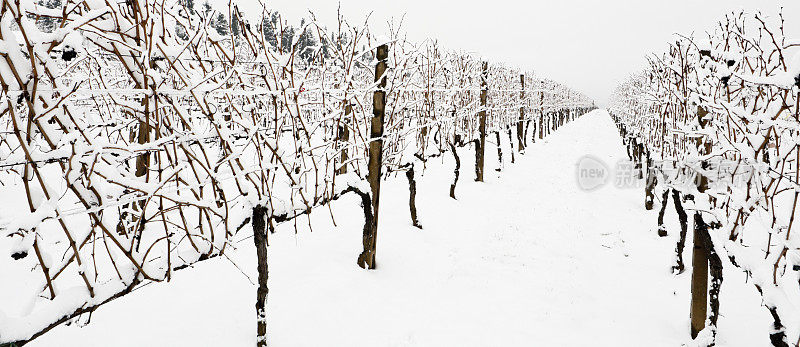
589 45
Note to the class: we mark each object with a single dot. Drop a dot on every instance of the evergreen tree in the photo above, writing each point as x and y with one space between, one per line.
206 9
220 24
287 37
306 44
48 24
181 32
269 28
235 24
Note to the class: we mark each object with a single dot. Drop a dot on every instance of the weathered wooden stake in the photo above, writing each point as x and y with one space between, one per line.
541 115
260 239
698 312
367 258
344 137
499 152
520 123
511 144
479 153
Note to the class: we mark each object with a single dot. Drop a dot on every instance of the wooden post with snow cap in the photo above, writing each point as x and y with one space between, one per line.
367 258
521 122
481 150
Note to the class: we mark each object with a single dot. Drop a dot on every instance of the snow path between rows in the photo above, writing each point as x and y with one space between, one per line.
525 259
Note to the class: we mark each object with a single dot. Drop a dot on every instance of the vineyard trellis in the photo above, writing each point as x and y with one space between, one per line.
142 141
714 120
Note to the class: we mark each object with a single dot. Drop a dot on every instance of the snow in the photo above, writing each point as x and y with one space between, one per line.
527 258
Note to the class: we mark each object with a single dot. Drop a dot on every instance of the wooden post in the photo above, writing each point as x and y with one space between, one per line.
541 115
367 258
260 240
479 153
143 136
520 123
698 312
700 252
344 137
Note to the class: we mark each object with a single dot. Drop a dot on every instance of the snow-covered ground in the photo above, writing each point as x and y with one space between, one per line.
525 259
